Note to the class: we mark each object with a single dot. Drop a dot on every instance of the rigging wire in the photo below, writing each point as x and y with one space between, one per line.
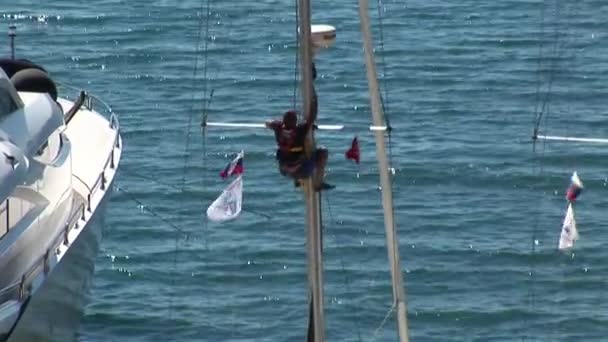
557 53
342 267
178 232
194 82
297 58
388 315
149 210
385 103
538 162
188 190
541 37
206 105
384 100
205 55
186 153
203 173
541 111
560 52
205 114
385 108
555 57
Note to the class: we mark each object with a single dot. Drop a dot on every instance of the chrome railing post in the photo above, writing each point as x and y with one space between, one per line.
89 102
46 261
103 180
22 287
7 217
12 32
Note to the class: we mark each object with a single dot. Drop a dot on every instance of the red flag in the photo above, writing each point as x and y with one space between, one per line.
353 151
575 189
235 167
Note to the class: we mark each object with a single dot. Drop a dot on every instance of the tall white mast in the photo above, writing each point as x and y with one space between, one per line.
316 326
385 180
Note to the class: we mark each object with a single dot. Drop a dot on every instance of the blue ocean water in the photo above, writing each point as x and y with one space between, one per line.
463 81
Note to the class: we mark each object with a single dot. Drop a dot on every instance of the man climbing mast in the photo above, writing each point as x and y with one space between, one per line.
291 155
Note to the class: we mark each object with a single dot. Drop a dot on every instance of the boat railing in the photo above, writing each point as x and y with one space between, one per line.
90 101
20 289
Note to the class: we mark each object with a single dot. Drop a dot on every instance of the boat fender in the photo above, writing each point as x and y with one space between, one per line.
34 80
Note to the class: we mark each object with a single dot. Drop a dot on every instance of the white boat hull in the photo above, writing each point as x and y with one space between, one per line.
57 168
55 311
47 301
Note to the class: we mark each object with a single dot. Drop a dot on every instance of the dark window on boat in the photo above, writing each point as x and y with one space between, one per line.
12 211
7 103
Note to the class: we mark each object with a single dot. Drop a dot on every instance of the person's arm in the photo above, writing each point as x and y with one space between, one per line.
273 124
314 107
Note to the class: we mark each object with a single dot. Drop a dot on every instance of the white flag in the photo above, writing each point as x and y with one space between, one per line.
228 205
569 233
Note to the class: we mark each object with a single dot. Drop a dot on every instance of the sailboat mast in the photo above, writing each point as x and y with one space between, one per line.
383 169
316 327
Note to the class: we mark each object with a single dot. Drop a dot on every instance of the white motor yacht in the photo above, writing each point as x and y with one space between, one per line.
58 162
